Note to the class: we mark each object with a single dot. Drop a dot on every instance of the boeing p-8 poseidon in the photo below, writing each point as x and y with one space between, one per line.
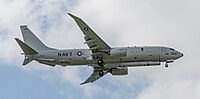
100 56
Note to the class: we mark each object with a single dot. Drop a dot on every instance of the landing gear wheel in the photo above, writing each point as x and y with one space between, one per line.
101 73
166 65
100 62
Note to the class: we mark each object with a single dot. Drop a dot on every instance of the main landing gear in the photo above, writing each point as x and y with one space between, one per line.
101 63
101 73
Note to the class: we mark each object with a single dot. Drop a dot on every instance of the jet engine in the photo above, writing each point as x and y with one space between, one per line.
118 52
119 71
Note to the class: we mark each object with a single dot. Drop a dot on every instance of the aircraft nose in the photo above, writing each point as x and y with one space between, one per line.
180 54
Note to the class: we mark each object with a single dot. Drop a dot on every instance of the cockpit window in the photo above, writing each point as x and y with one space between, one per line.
173 53
172 49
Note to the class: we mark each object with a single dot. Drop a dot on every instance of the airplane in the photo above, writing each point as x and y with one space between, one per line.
100 56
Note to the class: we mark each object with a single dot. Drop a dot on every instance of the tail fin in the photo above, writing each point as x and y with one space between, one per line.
27 50
31 40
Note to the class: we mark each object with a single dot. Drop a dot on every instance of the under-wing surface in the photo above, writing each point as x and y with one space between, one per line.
100 56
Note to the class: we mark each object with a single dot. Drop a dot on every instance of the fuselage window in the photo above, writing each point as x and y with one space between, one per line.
142 49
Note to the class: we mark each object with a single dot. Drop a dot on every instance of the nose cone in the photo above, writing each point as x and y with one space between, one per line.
180 55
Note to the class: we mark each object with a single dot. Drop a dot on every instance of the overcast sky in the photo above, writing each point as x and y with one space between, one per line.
171 23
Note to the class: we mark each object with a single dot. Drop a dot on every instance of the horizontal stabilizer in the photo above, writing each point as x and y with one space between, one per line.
26 61
26 49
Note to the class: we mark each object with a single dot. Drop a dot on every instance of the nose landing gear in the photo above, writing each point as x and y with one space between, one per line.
166 65
168 61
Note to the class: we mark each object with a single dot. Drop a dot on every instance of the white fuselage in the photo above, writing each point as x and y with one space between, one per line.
135 56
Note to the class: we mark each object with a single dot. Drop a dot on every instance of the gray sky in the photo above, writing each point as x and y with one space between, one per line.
172 23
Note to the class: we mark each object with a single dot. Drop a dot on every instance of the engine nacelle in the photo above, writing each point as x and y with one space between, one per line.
118 52
119 71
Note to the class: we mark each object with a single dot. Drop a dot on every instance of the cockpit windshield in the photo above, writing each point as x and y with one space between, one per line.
171 49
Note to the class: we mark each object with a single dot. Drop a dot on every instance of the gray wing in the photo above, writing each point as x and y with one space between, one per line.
93 77
94 42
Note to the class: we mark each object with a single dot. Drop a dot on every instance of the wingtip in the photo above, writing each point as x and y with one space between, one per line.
17 39
70 14
73 16
23 26
82 83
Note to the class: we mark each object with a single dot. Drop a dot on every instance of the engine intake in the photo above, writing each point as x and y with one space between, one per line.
119 71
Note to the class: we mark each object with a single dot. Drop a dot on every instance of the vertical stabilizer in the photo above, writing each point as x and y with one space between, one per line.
31 40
